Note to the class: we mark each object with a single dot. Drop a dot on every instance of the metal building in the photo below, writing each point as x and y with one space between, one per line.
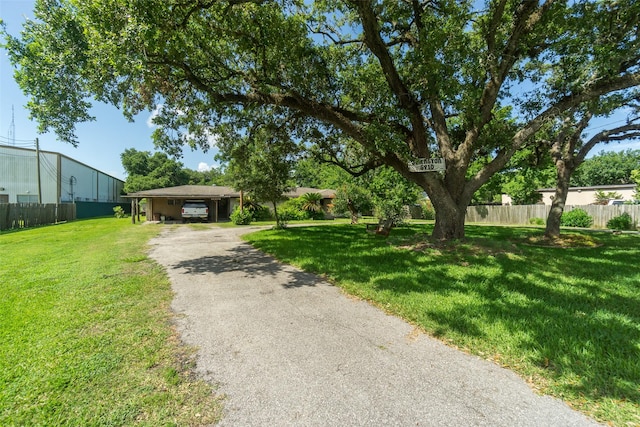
32 176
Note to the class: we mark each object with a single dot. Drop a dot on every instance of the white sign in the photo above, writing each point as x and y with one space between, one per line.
427 165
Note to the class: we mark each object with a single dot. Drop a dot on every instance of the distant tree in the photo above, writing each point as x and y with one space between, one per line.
390 193
528 171
146 171
607 168
522 189
311 172
352 199
261 163
209 177
635 177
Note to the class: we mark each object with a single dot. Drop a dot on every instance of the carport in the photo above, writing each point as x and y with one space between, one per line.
164 204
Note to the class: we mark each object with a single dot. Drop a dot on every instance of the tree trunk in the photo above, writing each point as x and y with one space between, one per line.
353 211
563 173
449 223
275 214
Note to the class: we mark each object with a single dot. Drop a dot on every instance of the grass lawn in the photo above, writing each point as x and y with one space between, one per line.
86 336
566 319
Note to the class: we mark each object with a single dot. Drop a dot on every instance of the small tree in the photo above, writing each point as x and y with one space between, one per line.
352 199
261 163
391 193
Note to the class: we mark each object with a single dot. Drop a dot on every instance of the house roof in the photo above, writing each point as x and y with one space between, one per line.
188 191
209 191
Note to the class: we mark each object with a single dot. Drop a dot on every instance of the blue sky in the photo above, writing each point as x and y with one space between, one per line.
103 140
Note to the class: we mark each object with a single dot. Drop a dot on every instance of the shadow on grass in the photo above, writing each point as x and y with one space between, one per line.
252 264
572 315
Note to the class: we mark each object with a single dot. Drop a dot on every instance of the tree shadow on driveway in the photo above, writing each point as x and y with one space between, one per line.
249 263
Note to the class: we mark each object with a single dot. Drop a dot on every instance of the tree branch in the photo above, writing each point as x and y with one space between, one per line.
621 133
407 101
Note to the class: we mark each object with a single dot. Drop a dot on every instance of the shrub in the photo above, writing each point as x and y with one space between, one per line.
536 221
621 222
261 213
289 212
428 212
119 212
239 217
576 218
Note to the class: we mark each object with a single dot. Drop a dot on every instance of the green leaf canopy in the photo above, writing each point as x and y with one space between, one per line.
398 80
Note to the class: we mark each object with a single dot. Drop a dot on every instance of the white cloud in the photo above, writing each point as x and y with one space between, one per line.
155 113
203 167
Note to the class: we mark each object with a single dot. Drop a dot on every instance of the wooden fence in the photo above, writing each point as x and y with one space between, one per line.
23 215
520 215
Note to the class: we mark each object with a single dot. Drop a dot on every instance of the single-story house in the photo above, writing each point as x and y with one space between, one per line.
582 196
166 203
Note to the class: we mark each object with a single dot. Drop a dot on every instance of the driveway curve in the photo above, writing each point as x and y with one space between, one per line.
286 348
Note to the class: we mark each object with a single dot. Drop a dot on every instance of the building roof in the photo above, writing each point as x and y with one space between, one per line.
209 191
189 191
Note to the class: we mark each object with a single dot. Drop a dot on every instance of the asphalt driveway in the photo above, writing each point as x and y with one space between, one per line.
288 349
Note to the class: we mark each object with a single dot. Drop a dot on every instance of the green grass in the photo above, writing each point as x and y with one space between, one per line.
566 319
86 336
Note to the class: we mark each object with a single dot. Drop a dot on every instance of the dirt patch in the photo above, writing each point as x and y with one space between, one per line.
564 241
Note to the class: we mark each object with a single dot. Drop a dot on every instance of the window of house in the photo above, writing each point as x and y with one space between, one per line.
4 198
27 198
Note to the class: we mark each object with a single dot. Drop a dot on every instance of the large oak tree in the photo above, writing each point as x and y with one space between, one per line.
400 80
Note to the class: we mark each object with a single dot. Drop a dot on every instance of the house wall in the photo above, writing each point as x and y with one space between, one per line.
587 195
582 196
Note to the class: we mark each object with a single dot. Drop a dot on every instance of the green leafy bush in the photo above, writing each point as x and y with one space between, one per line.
427 209
621 222
119 212
290 212
261 213
576 218
536 221
240 217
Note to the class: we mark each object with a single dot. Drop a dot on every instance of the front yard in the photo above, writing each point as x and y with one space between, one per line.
566 319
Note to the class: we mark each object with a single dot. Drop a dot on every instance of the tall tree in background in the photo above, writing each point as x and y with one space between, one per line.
261 163
146 171
402 80
607 168
311 172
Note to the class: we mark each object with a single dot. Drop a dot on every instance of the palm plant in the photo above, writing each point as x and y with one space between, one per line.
312 203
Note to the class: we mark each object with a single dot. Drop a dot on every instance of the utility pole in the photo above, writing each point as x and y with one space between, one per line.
38 166
12 129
